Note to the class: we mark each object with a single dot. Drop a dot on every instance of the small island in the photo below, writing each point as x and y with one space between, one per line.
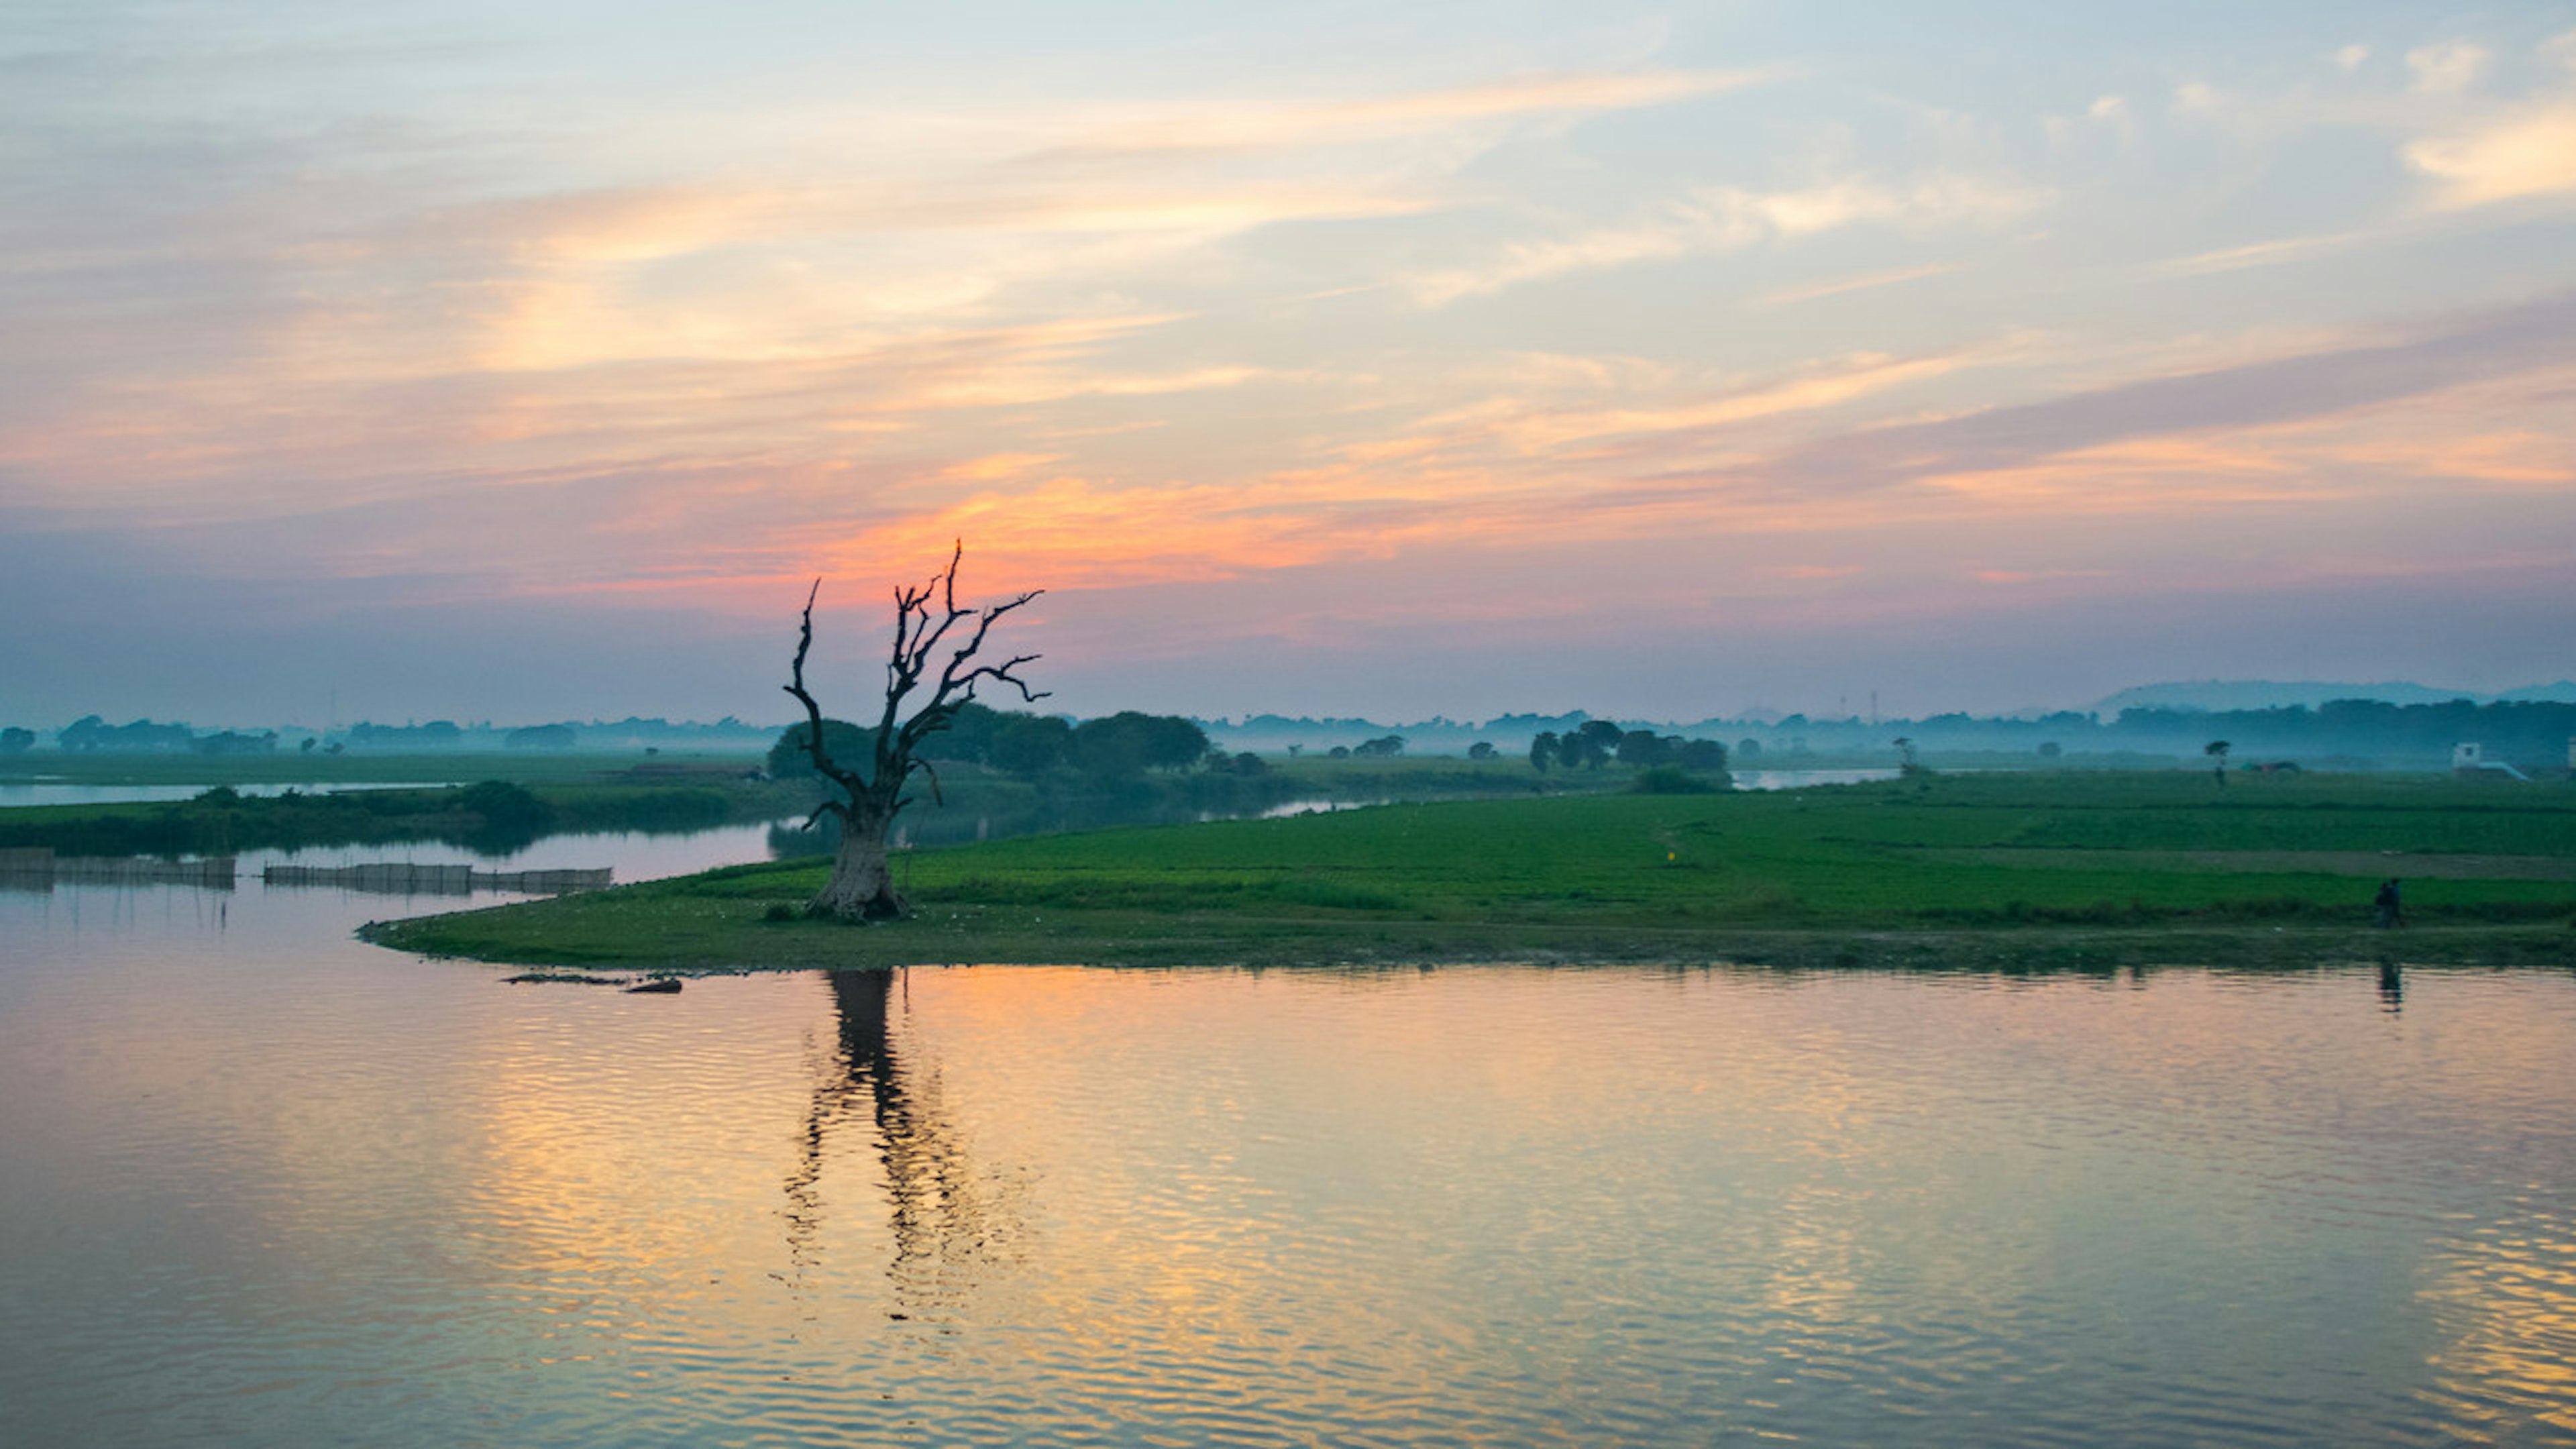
2003 870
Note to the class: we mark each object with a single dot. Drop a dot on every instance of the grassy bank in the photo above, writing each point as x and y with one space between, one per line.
1987 869
497 817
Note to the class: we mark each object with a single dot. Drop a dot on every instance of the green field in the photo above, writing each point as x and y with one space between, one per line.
217 822
2162 866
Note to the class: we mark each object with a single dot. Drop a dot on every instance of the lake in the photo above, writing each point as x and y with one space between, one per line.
260 1184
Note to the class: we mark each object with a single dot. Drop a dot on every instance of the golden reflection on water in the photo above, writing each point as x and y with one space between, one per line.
1527 1197
2502 1287
610 1168
1825 1149
2507 1302
1497 1204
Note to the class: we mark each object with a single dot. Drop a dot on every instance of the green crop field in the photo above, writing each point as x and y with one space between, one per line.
2159 865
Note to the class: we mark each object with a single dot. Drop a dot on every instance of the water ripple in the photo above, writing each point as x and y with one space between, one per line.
260 1186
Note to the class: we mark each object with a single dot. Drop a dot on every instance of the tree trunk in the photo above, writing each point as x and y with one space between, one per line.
861 888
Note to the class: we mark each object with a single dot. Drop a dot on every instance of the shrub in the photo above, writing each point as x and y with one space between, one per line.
1671 780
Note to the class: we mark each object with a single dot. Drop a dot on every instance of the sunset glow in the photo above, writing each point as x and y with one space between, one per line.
530 362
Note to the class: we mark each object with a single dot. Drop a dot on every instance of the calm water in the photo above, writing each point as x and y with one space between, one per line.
632 854
262 1185
1800 779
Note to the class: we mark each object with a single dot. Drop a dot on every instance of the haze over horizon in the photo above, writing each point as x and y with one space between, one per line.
529 362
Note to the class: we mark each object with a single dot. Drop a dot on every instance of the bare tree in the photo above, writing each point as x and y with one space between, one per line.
861 888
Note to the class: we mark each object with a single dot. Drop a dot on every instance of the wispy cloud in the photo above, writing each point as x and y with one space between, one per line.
1842 381
1870 281
2296 388
2270 253
1714 219
2449 67
1262 124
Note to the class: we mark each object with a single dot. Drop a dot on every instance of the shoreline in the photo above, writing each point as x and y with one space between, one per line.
803 946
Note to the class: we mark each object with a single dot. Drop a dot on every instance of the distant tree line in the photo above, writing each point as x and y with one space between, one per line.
92 733
438 734
1597 742
2531 731
1031 746
2536 731
144 736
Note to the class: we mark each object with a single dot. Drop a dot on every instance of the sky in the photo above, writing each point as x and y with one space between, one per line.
521 362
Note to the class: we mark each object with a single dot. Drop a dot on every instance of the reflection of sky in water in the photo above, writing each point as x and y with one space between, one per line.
630 856
1743 780
259 1183
1302 807
1800 779
633 855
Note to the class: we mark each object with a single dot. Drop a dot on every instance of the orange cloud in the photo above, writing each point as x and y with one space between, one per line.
997 465
1074 533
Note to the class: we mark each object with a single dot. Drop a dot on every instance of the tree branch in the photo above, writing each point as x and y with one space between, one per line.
927 619
823 762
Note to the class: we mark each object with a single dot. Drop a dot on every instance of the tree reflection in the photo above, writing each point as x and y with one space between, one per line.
943 1226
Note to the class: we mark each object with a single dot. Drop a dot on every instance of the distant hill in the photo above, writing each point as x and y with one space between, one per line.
2563 692
2217 695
